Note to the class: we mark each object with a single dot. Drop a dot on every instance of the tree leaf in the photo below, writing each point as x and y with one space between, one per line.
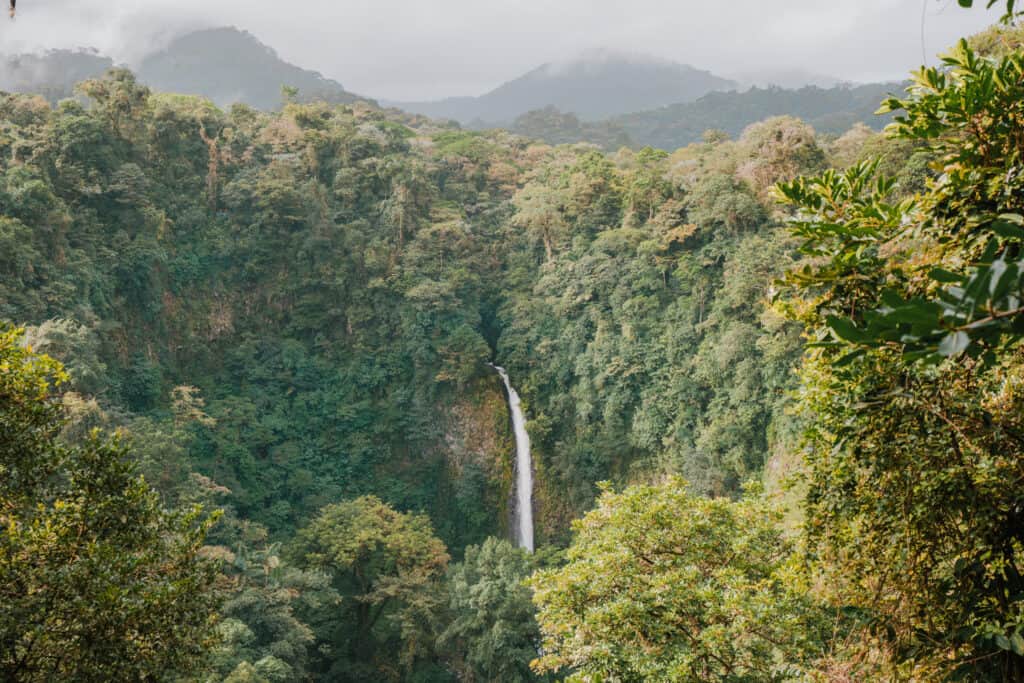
1017 644
846 330
946 277
954 343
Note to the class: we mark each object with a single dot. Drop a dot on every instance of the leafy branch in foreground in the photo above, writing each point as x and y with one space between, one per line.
969 299
1011 8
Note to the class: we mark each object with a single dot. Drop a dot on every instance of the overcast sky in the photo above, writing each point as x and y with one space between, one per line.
419 49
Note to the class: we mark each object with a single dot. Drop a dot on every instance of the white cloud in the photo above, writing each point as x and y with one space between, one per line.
428 48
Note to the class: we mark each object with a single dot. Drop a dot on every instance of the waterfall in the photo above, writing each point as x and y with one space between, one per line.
523 468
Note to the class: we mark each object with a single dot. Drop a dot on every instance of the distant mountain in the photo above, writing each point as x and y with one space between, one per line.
831 110
228 65
51 74
792 79
597 84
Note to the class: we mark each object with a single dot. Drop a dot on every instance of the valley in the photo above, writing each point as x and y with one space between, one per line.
697 383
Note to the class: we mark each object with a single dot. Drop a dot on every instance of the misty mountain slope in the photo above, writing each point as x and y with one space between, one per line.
598 84
229 65
52 74
832 110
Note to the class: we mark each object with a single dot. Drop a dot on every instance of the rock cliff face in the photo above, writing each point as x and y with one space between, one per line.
479 449
552 514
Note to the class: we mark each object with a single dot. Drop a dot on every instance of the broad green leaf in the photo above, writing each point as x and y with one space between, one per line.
846 330
1017 643
946 277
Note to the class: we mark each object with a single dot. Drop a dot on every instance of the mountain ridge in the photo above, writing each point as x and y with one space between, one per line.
581 86
656 101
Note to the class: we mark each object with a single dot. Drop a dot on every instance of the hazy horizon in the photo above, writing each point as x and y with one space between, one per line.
395 50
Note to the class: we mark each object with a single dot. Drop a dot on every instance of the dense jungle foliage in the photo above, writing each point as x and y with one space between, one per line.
325 286
248 429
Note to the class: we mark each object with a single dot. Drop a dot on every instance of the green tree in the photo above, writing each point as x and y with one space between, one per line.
540 210
260 627
493 634
66 339
119 99
387 566
911 390
662 585
646 186
97 581
778 149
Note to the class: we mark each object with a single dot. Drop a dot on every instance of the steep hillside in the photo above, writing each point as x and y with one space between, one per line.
595 85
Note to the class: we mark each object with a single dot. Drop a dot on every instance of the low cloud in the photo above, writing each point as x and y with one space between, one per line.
413 49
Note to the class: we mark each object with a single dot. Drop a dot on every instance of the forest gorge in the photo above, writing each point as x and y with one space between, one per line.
250 430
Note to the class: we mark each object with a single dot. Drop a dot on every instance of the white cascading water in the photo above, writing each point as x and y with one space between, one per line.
524 467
